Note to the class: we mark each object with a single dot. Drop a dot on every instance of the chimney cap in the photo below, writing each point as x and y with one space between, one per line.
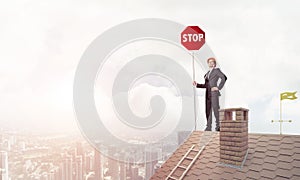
234 109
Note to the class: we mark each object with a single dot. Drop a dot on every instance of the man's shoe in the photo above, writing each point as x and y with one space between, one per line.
217 128
207 129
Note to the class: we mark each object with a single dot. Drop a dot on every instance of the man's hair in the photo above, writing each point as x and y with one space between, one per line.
213 59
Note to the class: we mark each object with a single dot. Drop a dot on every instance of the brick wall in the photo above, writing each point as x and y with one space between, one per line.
233 135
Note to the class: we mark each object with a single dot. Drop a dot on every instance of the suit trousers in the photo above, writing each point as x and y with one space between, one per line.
215 106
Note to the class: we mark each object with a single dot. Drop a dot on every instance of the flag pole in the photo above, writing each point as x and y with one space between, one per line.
194 89
283 96
280 116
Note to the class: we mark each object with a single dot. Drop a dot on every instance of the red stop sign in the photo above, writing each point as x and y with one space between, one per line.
192 38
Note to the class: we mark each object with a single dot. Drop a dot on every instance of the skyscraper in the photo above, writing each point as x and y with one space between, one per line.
122 171
113 164
66 168
1 138
135 172
89 162
98 167
80 152
78 168
79 149
3 165
122 164
151 158
52 175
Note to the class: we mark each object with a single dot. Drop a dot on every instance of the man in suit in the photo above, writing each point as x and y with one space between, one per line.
212 92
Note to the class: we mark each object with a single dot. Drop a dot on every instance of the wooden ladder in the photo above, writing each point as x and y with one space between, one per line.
206 137
185 168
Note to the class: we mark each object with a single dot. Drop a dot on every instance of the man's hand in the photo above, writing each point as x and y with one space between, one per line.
214 89
194 83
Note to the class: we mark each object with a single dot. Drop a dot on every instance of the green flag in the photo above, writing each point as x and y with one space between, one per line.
288 95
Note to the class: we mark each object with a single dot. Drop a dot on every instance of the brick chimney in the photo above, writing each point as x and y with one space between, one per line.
233 136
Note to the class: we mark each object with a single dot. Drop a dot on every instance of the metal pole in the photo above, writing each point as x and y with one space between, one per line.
280 117
194 89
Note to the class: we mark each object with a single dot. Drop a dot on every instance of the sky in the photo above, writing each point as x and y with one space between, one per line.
255 42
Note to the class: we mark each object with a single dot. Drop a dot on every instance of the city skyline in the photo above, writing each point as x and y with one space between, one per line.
70 157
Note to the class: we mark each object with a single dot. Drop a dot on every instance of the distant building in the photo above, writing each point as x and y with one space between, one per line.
54 173
3 165
78 168
122 171
97 166
135 172
21 146
89 163
79 149
122 164
113 164
66 168
158 165
51 175
151 158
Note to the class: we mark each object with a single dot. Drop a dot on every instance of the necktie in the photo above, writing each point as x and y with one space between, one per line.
209 73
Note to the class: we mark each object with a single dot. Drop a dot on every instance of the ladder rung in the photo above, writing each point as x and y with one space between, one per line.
172 178
194 150
182 167
189 158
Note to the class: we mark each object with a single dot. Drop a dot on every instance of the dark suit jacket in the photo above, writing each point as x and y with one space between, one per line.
212 81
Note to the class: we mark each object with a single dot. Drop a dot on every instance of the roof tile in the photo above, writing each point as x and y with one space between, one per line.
240 175
264 139
287 140
255 167
286 146
256 160
296 156
227 175
274 147
259 154
262 143
253 174
297 144
295 177
283 173
271 159
218 170
295 150
269 166
296 163
272 153
296 172
285 158
274 142
267 174
286 152
285 165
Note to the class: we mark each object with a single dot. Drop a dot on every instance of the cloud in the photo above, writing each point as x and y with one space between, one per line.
139 99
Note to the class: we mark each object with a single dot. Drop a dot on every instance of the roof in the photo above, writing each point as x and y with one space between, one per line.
269 156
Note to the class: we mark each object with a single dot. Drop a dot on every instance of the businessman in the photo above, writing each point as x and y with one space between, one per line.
212 92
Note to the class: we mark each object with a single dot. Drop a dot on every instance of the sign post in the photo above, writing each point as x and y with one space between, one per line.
193 38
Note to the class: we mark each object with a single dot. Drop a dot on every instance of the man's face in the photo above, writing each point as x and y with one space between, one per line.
211 63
